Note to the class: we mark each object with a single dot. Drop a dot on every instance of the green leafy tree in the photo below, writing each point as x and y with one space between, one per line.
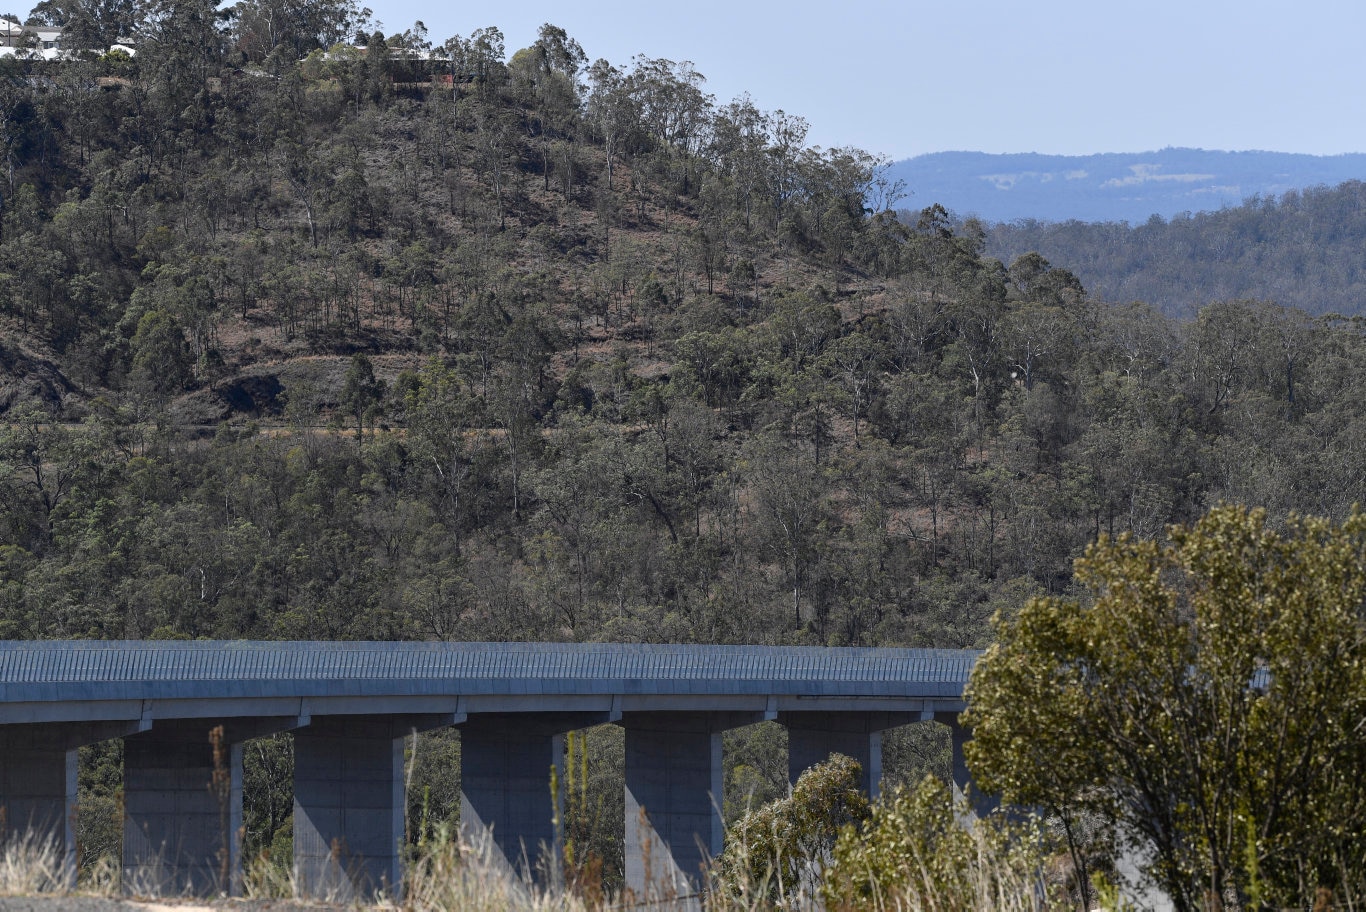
440 413
1207 699
545 79
611 110
361 394
42 467
297 26
775 853
162 362
914 852
674 111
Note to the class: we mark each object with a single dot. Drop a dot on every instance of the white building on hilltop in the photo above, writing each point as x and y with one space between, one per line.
10 32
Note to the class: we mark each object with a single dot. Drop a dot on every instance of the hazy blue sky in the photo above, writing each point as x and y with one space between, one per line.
1055 76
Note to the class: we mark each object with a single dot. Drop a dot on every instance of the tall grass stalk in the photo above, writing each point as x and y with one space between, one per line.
454 875
266 878
32 864
991 881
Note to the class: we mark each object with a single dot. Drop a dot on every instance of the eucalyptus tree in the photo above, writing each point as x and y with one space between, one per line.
786 157
301 26
739 146
496 148
674 110
611 111
43 467
479 59
1206 697
362 394
182 43
90 24
544 79
443 418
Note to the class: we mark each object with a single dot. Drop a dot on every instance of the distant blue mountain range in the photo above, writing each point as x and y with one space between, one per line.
1113 187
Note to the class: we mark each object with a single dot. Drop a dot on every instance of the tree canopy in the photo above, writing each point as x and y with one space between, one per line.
1207 698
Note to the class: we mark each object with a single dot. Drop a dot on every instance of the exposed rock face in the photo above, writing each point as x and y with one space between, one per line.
253 396
25 379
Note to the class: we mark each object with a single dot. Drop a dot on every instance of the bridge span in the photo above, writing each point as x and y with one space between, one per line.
349 706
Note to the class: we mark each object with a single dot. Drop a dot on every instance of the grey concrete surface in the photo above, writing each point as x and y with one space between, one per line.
673 794
38 779
813 736
348 807
963 786
38 790
182 799
178 831
505 773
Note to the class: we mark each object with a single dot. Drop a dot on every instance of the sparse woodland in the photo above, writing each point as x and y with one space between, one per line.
491 345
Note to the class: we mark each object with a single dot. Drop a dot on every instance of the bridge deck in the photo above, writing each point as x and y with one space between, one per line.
83 680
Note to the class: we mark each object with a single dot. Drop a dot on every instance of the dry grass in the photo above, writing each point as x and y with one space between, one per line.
992 885
471 878
450 875
32 865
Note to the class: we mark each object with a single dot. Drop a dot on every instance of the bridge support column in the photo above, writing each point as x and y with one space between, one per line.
182 800
348 808
38 765
349 804
505 774
673 797
813 736
38 790
962 778
182 812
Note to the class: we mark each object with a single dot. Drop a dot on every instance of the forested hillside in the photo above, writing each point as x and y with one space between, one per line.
423 338
1301 249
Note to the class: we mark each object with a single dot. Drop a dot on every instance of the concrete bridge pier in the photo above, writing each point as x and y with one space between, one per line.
182 798
37 787
813 736
38 782
673 796
505 798
349 803
963 785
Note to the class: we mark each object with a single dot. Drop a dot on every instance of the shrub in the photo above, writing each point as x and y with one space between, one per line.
776 853
920 851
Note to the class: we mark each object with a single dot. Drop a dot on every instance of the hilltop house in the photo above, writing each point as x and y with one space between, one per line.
48 37
37 37
47 42
10 32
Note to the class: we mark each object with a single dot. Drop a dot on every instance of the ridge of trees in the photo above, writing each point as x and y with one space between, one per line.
1298 249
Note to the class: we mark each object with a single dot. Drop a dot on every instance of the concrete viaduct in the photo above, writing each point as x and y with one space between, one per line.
349 706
